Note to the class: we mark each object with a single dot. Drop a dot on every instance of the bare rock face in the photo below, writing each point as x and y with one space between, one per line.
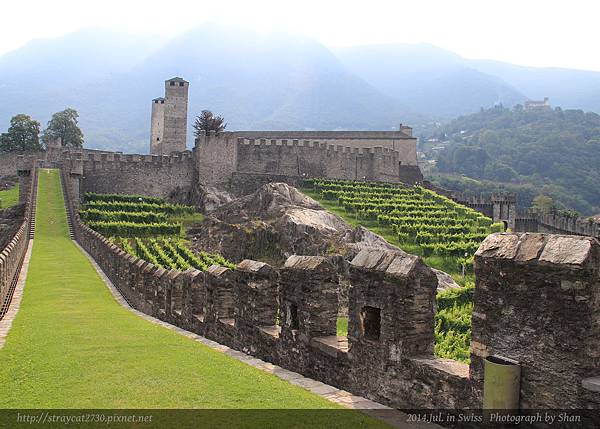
445 281
211 198
278 221
205 198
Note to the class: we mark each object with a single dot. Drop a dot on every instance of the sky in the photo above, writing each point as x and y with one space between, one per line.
527 32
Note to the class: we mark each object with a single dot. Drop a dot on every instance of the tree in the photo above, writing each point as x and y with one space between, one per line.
208 122
63 125
22 135
543 204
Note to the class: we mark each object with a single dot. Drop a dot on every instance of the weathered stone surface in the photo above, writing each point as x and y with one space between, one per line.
402 265
251 266
312 263
369 258
207 198
499 245
567 250
445 281
530 247
278 221
539 308
217 270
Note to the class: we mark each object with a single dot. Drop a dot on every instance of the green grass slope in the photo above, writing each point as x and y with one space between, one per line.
73 346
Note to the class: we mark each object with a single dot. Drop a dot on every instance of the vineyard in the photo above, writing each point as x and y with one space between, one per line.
421 222
148 228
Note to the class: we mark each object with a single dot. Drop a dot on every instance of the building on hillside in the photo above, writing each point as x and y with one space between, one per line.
537 104
168 132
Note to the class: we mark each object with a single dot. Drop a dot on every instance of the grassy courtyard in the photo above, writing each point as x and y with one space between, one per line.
9 197
73 346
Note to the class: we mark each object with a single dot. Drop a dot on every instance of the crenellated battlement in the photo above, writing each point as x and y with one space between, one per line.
223 156
118 157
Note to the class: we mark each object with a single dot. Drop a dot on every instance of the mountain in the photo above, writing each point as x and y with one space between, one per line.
438 82
255 81
428 78
554 152
264 81
568 88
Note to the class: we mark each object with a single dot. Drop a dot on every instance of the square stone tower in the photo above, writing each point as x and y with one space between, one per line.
169 119
157 126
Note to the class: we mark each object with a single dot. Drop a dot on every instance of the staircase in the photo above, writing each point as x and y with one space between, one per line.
32 204
67 208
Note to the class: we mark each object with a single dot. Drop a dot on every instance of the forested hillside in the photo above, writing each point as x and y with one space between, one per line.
551 152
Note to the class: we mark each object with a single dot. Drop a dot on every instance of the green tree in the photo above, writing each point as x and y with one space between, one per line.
543 204
63 125
207 122
22 135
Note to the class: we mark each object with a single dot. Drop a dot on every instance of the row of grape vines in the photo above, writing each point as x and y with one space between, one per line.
438 225
433 224
170 254
142 227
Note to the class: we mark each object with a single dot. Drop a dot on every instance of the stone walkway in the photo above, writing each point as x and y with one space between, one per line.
346 399
15 303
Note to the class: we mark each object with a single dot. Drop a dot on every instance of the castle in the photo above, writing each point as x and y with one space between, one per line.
224 157
537 104
536 302
168 132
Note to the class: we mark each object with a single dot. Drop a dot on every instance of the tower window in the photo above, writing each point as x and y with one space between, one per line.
292 316
162 101
157 139
180 83
371 322
172 83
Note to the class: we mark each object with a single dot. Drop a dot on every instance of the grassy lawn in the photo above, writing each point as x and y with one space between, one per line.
73 346
10 197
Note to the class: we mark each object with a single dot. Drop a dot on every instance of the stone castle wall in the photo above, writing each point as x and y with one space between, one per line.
151 175
287 316
11 257
240 308
404 144
10 160
221 156
537 302
556 224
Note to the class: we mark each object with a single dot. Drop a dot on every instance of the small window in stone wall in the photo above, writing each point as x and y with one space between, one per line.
371 322
172 83
180 83
292 316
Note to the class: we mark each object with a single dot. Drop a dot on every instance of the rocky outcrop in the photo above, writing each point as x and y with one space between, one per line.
206 198
445 281
278 221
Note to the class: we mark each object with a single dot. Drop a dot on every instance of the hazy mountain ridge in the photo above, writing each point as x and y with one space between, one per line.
260 81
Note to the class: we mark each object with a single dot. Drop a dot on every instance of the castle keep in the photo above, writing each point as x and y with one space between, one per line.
168 132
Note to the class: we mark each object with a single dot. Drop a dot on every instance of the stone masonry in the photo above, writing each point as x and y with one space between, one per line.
287 316
168 131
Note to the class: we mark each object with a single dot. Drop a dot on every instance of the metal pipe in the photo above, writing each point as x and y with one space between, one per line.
501 383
